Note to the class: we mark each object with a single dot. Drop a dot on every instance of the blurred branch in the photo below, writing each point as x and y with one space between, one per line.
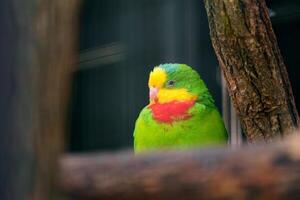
37 51
257 79
261 172
55 37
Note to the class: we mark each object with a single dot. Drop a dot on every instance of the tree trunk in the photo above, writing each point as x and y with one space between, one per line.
208 174
38 46
257 79
56 35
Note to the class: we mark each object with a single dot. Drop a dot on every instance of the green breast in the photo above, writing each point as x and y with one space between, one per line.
204 127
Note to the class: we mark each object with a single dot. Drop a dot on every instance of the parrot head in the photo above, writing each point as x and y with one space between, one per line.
176 83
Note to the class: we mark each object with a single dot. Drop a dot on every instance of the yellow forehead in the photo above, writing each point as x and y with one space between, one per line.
157 77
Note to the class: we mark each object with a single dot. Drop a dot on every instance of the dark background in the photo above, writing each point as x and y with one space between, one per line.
121 41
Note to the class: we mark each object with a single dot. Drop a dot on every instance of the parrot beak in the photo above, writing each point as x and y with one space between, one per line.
153 94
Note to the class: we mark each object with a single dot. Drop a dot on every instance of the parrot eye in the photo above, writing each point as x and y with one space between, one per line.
170 83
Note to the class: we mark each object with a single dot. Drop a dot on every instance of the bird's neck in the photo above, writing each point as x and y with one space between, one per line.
171 111
206 99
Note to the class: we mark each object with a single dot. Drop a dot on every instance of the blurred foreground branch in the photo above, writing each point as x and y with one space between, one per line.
261 172
37 53
56 32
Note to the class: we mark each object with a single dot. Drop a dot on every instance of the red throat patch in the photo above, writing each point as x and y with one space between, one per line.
172 111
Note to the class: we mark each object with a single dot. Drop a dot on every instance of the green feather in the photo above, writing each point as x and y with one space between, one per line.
204 127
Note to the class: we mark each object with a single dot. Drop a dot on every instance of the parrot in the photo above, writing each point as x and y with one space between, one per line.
181 113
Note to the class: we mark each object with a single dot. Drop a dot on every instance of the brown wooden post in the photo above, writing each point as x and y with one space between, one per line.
56 24
37 53
257 79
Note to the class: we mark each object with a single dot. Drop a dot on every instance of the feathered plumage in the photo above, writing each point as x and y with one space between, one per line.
181 112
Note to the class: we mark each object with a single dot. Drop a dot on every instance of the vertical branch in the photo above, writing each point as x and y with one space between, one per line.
257 80
37 54
55 34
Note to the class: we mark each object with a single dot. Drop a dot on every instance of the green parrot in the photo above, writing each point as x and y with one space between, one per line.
181 113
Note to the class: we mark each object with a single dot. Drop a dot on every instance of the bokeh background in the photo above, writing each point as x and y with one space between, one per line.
121 41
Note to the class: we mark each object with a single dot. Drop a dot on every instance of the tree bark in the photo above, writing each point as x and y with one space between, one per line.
257 79
202 174
38 47
56 33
